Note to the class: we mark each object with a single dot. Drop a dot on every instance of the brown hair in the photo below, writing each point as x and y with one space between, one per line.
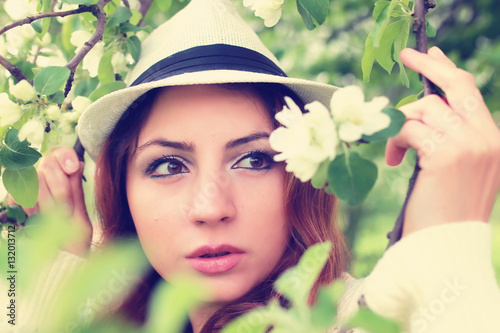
312 213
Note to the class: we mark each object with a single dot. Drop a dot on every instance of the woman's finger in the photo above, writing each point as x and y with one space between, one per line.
438 54
57 181
413 134
435 112
458 85
67 159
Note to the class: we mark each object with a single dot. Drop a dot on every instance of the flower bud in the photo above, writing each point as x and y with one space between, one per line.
80 37
10 112
23 91
119 62
53 112
33 131
80 103
65 127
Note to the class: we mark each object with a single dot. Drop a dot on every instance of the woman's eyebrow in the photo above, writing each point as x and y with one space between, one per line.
246 139
189 147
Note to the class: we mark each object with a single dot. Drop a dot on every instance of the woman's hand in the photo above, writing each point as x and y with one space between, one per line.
457 142
60 183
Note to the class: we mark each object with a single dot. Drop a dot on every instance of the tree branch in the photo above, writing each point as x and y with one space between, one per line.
143 9
30 19
98 11
419 28
15 71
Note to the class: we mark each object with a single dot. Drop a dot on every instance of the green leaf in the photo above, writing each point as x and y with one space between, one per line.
319 179
398 119
113 271
106 88
322 314
121 15
372 322
306 17
129 27
177 298
296 283
431 31
57 98
318 9
50 79
408 99
22 184
382 21
351 177
368 58
399 44
78 2
37 26
15 154
46 7
379 7
384 52
256 321
164 5
134 47
105 71
16 213
85 88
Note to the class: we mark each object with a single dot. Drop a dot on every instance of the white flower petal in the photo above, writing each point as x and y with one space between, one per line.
349 132
376 123
33 131
23 90
10 112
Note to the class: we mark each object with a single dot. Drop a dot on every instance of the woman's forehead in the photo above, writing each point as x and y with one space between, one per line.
204 112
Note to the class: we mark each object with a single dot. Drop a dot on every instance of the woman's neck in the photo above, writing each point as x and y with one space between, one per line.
200 316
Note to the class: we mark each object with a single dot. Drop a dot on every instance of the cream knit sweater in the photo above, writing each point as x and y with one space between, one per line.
439 279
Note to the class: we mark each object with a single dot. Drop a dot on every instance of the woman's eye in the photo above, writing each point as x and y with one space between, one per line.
168 167
254 161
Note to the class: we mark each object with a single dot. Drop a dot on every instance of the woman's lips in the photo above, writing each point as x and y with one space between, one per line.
213 259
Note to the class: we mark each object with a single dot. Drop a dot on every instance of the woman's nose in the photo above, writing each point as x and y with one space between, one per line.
212 200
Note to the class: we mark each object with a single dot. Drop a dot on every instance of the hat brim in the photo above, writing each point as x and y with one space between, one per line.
100 118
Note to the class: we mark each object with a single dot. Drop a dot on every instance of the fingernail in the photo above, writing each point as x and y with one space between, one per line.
70 165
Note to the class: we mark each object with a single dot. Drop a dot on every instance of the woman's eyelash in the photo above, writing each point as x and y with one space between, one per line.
267 155
151 168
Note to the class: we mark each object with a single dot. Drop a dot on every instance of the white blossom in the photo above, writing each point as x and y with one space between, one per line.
19 9
354 116
92 59
306 140
53 112
268 10
33 131
119 62
18 37
23 90
10 112
65 127
80 37
80 103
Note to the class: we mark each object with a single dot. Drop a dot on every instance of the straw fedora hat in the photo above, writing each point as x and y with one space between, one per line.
205 43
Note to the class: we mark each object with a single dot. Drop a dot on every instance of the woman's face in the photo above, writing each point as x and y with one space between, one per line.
205 195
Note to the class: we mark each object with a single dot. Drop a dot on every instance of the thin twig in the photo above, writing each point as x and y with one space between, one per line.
419 28
98 11
143 9
31 19
15 71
